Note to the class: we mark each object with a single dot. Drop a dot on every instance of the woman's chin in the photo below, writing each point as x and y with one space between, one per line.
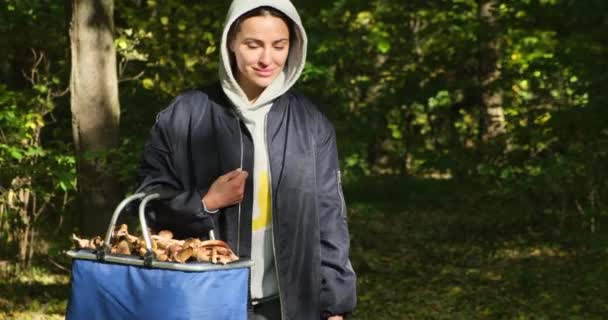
263 82
260 83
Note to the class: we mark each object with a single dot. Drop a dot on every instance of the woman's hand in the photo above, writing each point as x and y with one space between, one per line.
226 190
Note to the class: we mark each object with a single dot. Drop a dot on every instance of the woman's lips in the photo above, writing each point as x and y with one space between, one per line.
264 73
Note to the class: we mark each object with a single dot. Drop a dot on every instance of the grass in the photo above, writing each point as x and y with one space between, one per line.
38 293
427 249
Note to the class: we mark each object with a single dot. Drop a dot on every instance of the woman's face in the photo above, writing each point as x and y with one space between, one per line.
260 47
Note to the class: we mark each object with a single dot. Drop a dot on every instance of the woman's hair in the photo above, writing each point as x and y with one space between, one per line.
257 12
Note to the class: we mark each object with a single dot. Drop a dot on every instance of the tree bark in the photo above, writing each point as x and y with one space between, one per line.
18 202
492 120
95 110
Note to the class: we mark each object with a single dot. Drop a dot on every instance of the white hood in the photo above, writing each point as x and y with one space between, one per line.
292 70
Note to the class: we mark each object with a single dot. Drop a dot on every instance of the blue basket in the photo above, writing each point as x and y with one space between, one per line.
105 287
102 290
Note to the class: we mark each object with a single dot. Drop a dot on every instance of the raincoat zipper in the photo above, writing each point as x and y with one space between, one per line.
238 233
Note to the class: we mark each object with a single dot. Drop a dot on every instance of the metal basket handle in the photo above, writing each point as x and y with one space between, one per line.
154 195
147 196
106 243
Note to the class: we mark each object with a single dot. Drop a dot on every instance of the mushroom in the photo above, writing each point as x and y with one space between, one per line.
165 248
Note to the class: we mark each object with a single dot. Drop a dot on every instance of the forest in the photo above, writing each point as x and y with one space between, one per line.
472 134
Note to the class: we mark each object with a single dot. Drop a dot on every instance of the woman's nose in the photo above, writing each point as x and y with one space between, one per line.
265 58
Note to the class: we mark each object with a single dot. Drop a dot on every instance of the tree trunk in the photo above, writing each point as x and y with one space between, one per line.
18 201
492 119
95 110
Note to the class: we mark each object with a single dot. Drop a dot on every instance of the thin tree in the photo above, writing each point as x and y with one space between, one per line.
492 113
95 109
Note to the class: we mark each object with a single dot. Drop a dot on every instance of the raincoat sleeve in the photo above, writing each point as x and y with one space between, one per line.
338 279
164 168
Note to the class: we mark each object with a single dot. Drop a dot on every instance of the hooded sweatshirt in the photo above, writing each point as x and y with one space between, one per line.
263 274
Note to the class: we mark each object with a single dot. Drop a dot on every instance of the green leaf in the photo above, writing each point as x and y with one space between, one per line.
210 50
121 43
148 83
384 46
41 88
16 154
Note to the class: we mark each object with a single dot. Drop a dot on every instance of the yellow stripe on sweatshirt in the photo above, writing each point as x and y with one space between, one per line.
262 220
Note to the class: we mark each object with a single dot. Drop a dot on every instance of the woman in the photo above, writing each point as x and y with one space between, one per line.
259 162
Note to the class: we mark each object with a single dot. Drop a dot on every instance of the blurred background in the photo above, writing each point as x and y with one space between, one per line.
473 139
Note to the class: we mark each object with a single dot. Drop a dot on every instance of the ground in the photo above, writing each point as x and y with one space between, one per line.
425 249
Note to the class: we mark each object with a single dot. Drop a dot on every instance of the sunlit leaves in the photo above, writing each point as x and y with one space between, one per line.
148 83
179 43
383 46
210 50
313 72
442 99
127 42
21 152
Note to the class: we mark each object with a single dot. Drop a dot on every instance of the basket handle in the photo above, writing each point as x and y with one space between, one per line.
154 195
106 243
147 196
150 256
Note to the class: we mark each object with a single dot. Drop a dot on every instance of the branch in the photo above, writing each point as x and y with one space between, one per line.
40 210
56 94
131 78
59 266
122 66
33 77
2 136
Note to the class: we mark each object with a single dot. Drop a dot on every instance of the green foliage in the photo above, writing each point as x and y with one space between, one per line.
33 176
174 43
37 172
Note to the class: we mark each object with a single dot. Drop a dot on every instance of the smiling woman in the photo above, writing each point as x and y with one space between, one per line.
258 162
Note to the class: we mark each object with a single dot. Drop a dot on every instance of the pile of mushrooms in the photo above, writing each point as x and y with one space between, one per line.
164 246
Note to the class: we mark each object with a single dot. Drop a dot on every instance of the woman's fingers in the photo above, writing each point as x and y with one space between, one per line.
228 189
241 177
238 185
231 175
244 176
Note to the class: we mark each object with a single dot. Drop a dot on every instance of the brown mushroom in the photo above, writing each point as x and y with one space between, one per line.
123 247
167 234
97 242
80 243
121 231
183 255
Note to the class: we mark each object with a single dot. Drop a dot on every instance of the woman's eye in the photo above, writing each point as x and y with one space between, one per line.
279 48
